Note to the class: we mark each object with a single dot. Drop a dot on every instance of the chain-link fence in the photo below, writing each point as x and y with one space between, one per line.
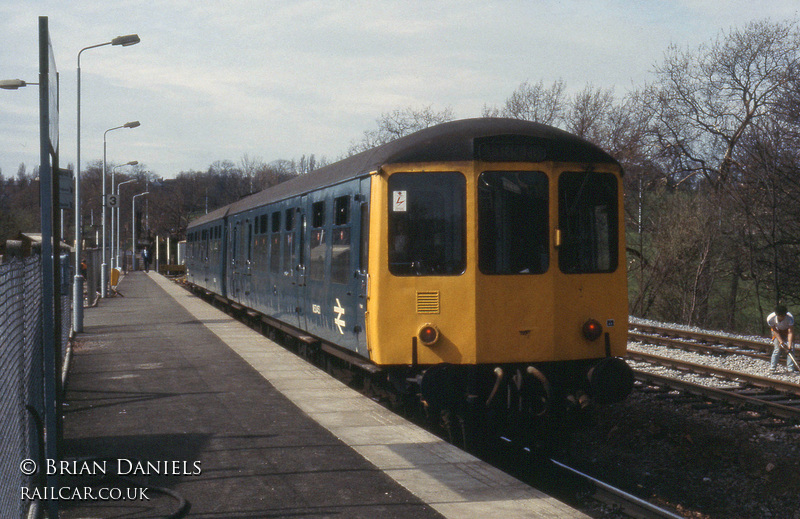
21 376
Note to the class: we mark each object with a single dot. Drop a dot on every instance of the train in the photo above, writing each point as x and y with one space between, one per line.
478 264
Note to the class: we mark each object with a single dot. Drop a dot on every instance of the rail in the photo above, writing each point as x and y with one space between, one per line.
776 397
630 504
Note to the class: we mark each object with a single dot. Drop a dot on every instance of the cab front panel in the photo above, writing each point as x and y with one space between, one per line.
420 270
540 259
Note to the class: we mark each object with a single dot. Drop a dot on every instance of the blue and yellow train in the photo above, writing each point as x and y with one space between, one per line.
479 262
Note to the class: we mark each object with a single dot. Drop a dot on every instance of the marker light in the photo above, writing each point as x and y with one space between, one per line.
592 330
428 334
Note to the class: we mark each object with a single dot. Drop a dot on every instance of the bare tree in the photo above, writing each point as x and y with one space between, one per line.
399 123
710 110
534 102
589 115
706 100
250 167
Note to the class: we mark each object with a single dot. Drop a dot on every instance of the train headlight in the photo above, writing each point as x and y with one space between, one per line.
592 330
428 334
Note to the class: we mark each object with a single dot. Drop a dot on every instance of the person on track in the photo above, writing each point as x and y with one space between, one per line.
781 322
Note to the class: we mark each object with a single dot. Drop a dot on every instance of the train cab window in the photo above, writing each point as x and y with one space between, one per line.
427 224
588 221
513 222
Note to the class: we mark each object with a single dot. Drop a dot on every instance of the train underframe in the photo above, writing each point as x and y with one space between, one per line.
535 404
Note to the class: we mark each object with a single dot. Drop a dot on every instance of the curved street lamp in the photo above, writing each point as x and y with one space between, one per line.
115 211
13 84
104 265
119 226
77 293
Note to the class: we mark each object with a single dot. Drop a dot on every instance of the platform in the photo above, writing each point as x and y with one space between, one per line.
205 413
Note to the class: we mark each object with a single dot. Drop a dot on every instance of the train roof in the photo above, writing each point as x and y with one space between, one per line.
487 139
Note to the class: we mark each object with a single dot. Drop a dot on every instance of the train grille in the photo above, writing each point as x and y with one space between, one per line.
428 302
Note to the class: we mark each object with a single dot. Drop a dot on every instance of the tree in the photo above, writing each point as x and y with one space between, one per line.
705 101
589 115
250 168
399 123
534 103
712 114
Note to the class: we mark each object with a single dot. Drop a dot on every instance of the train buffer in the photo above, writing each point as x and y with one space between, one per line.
172 398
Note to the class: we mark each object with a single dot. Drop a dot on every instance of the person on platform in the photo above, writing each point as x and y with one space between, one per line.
146 259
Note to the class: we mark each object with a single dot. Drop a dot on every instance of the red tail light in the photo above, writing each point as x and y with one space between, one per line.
592 330
428 335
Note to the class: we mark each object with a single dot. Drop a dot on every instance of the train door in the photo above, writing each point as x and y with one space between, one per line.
345 305
246 270
361 255
223 258
317 238
300 268
291 274
233 272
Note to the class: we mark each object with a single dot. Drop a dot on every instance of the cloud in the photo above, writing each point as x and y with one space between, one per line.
274 79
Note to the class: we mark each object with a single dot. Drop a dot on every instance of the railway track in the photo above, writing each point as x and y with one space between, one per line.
762 395
699 341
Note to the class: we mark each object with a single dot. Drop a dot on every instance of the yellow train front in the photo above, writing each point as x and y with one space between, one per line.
496 269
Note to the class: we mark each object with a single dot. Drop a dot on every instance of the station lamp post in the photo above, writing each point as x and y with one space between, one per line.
133 229
104 265
77 294
115 211
119 227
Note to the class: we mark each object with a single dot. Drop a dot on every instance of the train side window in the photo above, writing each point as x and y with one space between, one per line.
289 219
276 221
316 258
249 241
318 214
263 224
288 241
427 224
275 253
513 222
364 253
288 251
588 221
341 210
341 248
340 256
235 243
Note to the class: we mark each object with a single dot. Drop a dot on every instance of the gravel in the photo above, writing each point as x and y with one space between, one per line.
733 362
704 463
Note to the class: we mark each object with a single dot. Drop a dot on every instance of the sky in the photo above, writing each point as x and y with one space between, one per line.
268 80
